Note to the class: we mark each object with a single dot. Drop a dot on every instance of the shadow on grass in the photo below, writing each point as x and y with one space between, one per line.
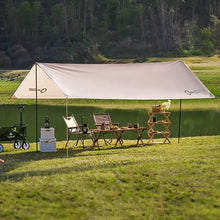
16 177
26 156
14 160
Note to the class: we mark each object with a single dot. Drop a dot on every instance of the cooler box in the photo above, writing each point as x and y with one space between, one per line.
47 145
47 133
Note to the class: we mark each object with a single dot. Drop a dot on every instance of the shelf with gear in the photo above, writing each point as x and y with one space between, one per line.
158 124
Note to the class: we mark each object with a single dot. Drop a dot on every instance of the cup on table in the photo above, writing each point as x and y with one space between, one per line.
129 125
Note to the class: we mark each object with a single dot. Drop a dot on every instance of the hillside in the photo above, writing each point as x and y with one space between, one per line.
86 31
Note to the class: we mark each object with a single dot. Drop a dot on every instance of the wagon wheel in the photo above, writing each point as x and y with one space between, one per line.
1 148
25 145
107 138
17 144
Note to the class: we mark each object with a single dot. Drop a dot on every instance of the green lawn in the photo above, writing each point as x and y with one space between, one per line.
170 181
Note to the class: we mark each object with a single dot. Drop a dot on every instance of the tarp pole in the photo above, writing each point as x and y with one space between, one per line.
36 109
66 107
180 112
67 152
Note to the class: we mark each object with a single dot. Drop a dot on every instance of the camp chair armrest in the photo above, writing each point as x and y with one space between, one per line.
110 123
72 127
115 123
98 124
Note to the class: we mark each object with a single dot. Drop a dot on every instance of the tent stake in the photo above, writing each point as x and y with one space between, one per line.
36 110
179 121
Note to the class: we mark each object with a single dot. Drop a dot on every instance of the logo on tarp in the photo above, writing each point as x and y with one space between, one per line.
39 90
10 136
190 92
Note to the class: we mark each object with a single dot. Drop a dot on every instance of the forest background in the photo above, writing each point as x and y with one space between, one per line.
88 31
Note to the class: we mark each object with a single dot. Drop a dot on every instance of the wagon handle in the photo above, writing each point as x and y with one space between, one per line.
21 109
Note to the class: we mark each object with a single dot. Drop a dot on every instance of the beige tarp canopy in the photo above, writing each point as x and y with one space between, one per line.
139 81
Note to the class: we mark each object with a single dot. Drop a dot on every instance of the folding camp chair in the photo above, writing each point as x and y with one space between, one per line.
103 121
74 129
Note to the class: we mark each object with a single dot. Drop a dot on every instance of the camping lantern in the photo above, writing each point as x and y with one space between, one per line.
46 122
84 128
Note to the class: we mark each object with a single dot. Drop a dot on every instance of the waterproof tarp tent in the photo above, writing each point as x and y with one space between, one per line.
139 81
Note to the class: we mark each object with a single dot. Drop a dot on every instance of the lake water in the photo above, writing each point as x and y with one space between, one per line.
194 123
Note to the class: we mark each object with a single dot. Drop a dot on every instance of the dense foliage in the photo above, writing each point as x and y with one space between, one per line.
81 30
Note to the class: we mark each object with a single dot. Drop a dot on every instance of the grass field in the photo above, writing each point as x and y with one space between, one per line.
171 181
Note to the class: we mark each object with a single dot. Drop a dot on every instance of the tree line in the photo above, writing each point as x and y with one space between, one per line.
83 30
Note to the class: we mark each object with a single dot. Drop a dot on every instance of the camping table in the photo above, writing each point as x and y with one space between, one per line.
118 133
